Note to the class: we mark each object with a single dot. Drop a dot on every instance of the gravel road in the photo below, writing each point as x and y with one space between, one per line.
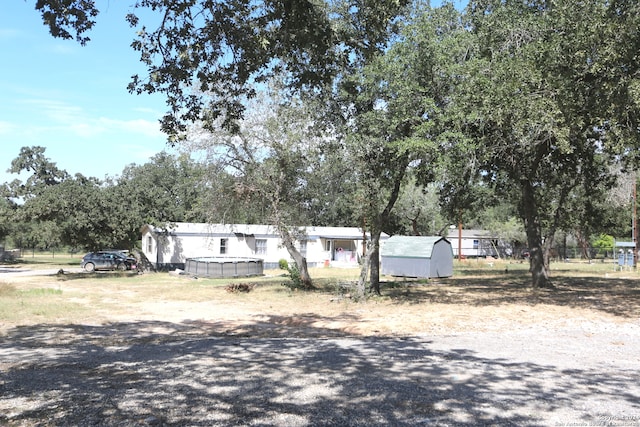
172 374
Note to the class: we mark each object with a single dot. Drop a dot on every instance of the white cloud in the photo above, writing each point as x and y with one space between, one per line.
141 154
7 127
9 33
57 111
62 49
136 126
48 113
85 130
147 110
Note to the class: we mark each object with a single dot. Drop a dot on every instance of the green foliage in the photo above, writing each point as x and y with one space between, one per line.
7 210
44 173
541 106
295 282
305 40
395 100
603 243
68 19
166 189
90 214
283 264
78 212
417 211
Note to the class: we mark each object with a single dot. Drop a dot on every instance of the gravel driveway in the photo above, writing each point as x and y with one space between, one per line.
173 374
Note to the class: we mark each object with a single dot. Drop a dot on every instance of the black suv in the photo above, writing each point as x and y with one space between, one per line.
107 260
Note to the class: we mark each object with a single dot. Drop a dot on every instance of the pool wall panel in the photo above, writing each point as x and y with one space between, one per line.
221 267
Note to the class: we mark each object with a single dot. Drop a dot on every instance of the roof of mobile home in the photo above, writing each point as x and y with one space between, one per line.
256 230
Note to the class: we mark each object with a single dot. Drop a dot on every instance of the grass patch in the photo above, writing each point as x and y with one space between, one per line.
478 290
34 305
38 261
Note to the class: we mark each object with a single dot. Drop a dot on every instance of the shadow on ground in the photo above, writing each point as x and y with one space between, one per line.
161 373
617 296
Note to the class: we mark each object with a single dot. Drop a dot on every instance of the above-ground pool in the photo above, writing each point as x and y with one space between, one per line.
224 267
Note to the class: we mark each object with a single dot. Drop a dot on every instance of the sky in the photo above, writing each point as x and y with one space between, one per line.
71 99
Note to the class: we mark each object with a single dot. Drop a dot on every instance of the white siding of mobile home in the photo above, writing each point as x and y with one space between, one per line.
324 245
474 243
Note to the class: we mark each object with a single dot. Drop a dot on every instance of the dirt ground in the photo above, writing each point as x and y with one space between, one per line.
481 349
482 302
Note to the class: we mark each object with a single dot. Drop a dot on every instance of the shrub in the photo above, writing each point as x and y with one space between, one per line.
283 264
294 276
604 244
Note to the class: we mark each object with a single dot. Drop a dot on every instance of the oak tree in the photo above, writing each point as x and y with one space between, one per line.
543 110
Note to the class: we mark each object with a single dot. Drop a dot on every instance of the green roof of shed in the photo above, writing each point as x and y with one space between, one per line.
410 246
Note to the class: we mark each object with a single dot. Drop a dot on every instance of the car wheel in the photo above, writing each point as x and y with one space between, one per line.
122 266
89 267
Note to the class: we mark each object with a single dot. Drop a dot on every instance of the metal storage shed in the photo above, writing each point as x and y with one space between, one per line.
417 256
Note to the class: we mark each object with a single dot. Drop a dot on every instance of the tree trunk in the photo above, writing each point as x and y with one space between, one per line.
300 261
539 267
414 223
364 272
583 241
379 221
371 262
375 263
539 251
